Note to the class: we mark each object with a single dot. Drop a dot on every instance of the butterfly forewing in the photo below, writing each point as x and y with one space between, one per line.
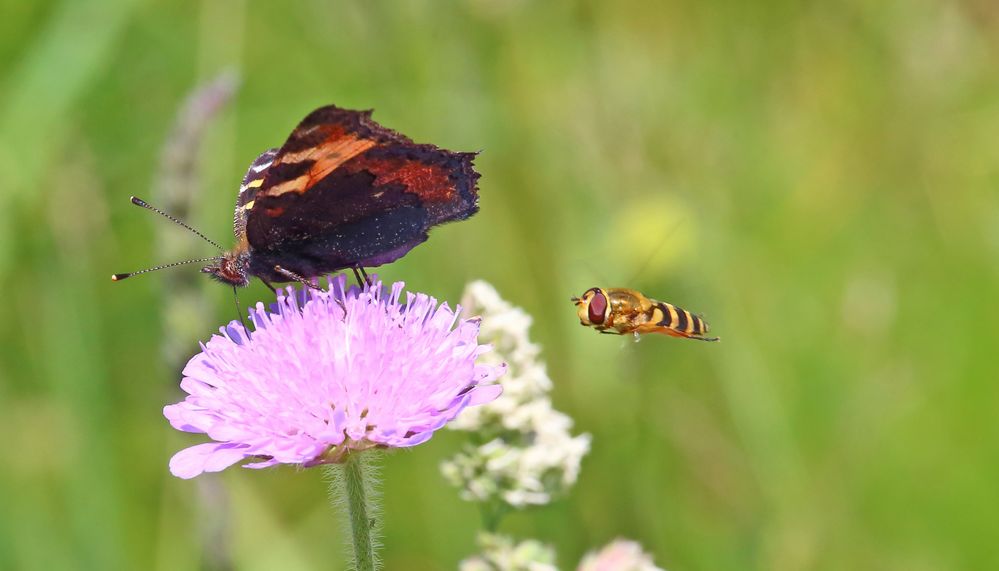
252 182
344 191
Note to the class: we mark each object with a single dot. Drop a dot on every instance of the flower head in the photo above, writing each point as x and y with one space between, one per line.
326 373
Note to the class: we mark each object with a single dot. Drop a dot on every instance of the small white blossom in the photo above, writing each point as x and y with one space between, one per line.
619 555
522 451
500 553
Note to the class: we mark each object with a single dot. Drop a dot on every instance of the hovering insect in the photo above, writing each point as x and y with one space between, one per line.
342 192
621 311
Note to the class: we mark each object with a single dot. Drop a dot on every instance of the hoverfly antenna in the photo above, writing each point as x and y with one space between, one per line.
139 202
119 277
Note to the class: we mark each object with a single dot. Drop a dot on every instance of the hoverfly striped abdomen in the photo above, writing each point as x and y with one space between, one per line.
682 322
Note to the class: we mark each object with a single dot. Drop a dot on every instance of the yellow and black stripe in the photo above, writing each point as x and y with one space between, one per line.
682 322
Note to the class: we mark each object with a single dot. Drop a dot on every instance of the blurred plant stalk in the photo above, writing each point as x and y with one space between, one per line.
520 450
186 312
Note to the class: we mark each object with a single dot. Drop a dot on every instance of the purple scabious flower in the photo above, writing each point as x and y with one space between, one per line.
326 373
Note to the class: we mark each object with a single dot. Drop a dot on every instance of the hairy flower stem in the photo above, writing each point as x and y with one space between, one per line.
351 488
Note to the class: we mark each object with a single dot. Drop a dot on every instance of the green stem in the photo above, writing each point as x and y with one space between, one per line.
492 513
352 486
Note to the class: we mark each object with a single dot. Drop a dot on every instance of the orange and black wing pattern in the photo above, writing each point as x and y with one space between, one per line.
343 191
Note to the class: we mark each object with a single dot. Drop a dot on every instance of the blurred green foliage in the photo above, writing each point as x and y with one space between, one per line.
818 178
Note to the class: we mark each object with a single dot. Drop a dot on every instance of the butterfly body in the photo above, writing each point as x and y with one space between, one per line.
342 192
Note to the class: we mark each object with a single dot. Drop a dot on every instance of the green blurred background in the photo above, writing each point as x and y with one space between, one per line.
818 178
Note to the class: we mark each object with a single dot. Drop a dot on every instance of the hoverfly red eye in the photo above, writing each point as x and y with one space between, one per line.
598 305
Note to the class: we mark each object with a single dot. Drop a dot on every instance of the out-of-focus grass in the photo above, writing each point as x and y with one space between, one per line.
819 180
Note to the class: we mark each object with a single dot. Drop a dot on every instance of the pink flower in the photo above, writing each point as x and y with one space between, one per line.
619 555
311 384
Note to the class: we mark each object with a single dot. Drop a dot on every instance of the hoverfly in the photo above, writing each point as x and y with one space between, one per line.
621 311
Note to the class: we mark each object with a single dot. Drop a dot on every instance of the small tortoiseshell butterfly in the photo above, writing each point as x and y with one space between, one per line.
342 192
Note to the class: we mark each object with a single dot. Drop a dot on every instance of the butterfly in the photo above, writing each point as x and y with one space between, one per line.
342 192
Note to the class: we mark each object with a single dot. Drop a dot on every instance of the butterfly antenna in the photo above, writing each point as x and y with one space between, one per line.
139 202
119 277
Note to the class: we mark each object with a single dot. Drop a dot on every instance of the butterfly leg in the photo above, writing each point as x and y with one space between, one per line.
361 276
296 278
269 285
357 276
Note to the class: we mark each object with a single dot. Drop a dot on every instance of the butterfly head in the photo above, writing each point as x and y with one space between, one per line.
231 268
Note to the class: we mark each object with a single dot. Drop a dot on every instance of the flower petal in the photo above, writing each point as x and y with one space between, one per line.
211 457
483 394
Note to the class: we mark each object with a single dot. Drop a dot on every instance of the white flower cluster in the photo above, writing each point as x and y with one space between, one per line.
619 555
500 553
522 451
